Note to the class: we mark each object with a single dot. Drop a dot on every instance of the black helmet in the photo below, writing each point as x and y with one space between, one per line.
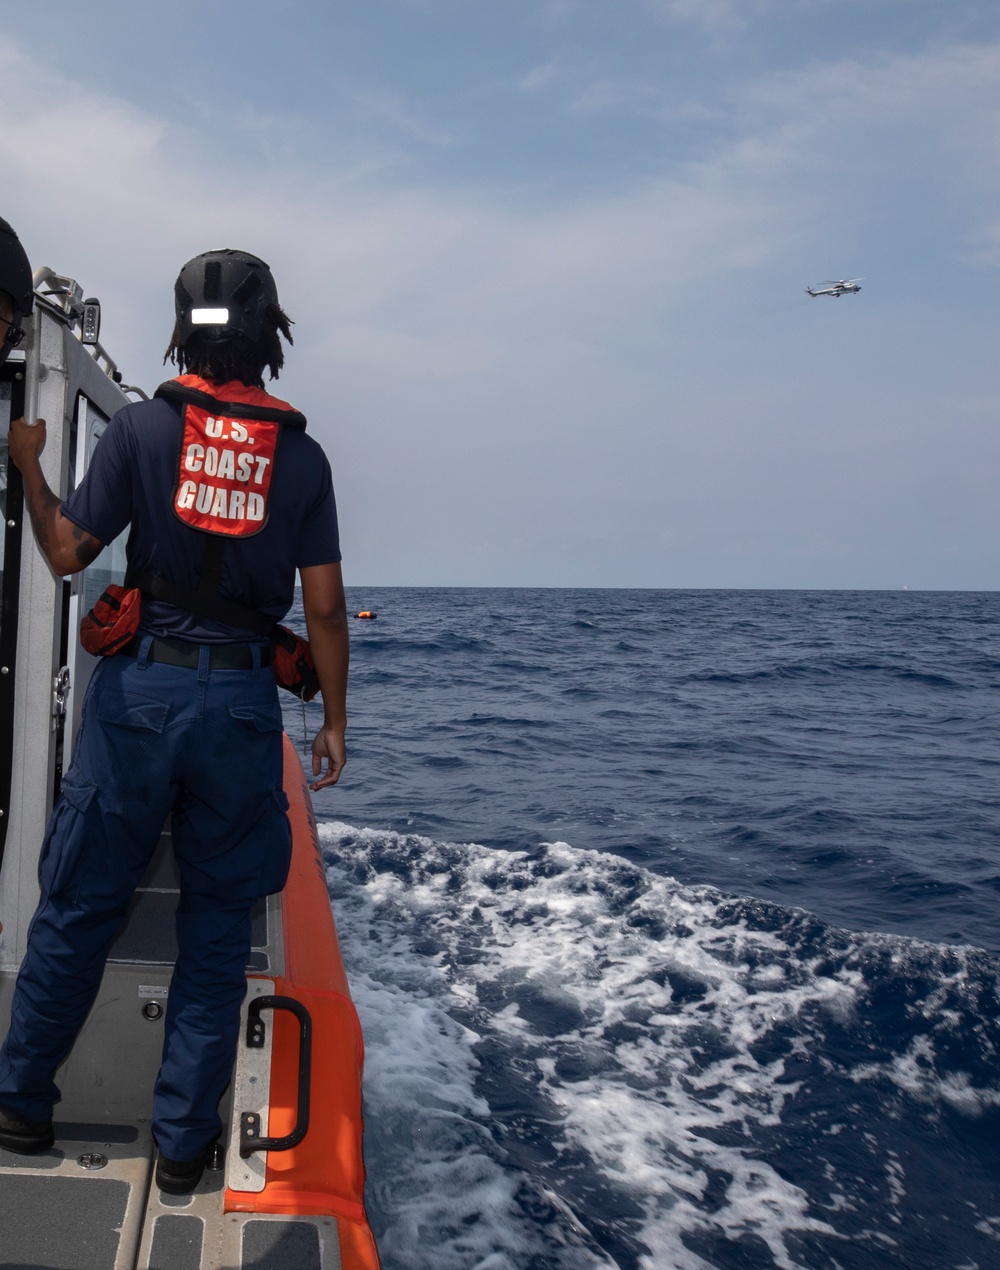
15 272
15 279
222 294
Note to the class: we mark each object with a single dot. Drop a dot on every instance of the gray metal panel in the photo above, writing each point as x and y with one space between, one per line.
97 1085
88 377
59 365
258 934
251 1093
82 1221
177 1243
284 1245
38 639
87 586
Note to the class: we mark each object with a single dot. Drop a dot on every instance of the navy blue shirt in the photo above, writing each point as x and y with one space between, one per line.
131 481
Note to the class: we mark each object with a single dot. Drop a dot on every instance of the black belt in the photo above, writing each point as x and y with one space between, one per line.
178 652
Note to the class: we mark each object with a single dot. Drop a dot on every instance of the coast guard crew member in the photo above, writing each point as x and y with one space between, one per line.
225 496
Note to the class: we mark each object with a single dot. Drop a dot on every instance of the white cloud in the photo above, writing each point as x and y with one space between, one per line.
888 87
515 383
540 76
731 17
390 108
713 14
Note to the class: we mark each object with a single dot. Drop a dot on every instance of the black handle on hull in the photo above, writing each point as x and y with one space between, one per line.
250 1139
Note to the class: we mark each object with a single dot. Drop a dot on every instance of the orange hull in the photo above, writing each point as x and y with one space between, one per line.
324 1175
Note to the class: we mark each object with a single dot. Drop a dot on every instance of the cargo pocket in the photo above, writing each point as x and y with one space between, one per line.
137 713
259 718
130 742
59 865
277 851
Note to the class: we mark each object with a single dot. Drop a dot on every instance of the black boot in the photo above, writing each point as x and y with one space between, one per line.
22 1135
178 1177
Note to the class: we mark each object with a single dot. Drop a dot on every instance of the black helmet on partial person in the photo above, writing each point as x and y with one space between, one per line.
221 295
15 272
15 282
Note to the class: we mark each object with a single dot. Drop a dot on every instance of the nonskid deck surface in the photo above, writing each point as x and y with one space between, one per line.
60 1214
88 1203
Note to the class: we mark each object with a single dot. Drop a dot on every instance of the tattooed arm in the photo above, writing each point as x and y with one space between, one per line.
66 546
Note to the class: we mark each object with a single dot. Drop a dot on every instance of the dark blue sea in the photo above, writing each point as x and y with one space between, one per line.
671 920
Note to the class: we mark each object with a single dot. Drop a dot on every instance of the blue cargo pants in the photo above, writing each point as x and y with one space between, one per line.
205 747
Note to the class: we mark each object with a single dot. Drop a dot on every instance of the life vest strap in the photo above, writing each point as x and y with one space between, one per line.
204 599
214 607
183 395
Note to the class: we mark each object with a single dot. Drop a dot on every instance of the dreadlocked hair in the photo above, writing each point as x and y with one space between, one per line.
236 358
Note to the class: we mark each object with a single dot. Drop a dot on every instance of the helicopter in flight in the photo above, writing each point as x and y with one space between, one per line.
846 286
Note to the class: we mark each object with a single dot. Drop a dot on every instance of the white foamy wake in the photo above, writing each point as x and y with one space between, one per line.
645 1046
440 1194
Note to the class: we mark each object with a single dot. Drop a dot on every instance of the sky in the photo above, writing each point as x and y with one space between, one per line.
547 263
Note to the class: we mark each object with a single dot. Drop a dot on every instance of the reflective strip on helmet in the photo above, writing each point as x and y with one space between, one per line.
209 317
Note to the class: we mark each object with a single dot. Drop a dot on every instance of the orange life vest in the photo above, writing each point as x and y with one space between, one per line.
229 441
227 455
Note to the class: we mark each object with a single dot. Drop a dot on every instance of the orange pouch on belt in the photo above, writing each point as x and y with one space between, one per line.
112 621
292 663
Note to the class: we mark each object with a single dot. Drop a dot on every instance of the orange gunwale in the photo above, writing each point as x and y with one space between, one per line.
324 1175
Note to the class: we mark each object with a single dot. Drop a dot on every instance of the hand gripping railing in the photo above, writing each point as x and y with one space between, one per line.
250 1135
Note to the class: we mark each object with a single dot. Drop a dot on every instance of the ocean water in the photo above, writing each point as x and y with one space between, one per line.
671 920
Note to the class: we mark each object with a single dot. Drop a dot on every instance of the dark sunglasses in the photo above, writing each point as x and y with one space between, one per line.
14 335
